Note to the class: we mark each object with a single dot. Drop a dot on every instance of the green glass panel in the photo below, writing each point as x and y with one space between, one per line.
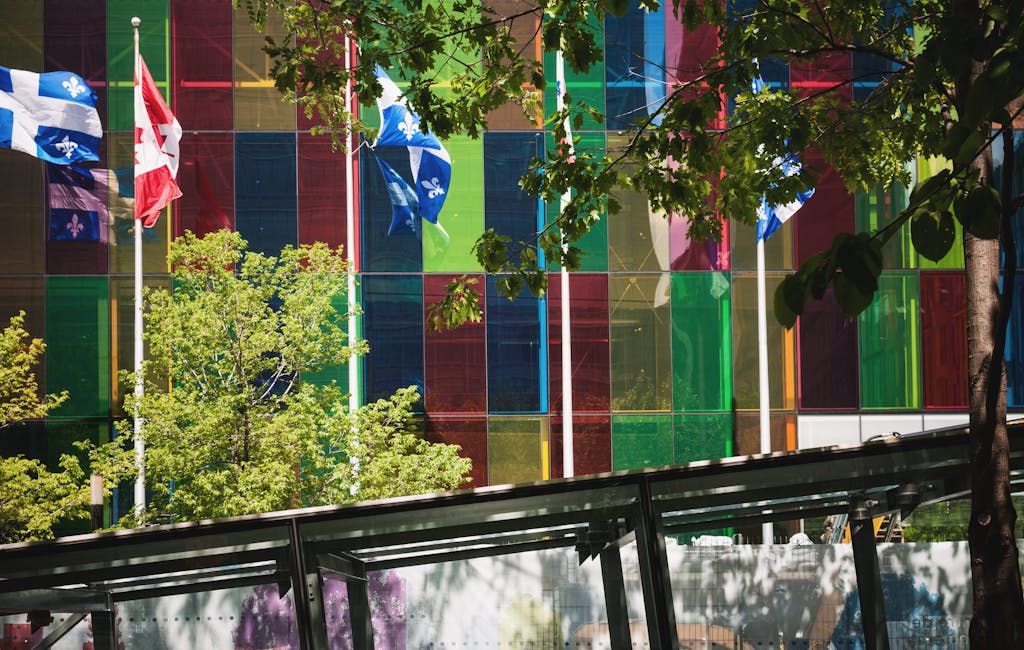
701 342
78 344
259 106
781 366
703 437
875 209
641 441
462 216
517 449
954 259
595 243
337 374
641 372
61 438
21 35
583 87
155 240
154 39
890 345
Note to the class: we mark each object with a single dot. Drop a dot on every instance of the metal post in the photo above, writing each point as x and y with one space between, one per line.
308 595
104 631
869 580
615 598
359 609
650 546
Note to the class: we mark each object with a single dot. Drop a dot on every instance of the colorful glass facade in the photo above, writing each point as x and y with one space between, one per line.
664 330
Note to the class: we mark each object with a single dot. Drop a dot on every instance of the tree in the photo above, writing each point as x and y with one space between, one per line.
32 498
949 73
232 425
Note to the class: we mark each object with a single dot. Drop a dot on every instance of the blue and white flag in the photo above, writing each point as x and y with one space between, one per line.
431 166
51 116
771 217
404 203
77 202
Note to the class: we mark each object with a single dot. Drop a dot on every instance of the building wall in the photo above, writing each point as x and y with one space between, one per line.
664 330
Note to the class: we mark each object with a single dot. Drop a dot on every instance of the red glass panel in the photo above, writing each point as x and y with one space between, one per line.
827 73
468 433
687 51
944 339
322 192
588 298
76 39
830 211
829 370
456 361
591 445
207 181
203 69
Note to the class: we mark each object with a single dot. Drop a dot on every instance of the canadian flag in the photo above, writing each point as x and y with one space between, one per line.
157 134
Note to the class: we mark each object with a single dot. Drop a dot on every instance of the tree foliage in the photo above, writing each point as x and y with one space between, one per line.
231 426
944 80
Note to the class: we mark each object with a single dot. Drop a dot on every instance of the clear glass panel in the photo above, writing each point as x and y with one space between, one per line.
701 342
258 104
890 345
517 450
781 369
640 334
827 430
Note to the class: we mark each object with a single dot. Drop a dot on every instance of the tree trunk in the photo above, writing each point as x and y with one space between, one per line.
998 618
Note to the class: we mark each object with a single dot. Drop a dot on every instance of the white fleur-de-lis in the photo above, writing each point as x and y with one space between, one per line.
75 226
73 86
434 187
67 147
409 126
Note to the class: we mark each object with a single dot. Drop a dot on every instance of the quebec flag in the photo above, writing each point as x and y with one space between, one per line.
431 166
771 217
51 116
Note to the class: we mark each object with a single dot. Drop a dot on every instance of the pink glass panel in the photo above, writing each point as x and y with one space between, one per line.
830 211
456 361
591 445
468 433
588 298
944 339
207 181
688 255
827 73
201 42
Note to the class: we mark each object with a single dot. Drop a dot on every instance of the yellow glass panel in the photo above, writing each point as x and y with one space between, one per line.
259 106
155 240
517 450
781 348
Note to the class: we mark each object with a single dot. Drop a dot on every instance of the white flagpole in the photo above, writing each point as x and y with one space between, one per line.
350 241
140 448
568 468
767 531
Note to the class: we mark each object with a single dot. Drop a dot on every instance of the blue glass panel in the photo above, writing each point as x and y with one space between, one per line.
634 65
1015 350
393 317
514 369
1018 184
507 208
265 203
402 251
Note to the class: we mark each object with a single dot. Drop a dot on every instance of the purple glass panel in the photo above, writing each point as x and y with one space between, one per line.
688 255
687 51
468 433
456 361
321 192
830 211
76 40
207 181
591 445
588 297
829 371
944 339
201 42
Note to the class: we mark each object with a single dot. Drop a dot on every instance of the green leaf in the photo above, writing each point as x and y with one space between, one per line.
851 298
933 233
980 212
783 313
